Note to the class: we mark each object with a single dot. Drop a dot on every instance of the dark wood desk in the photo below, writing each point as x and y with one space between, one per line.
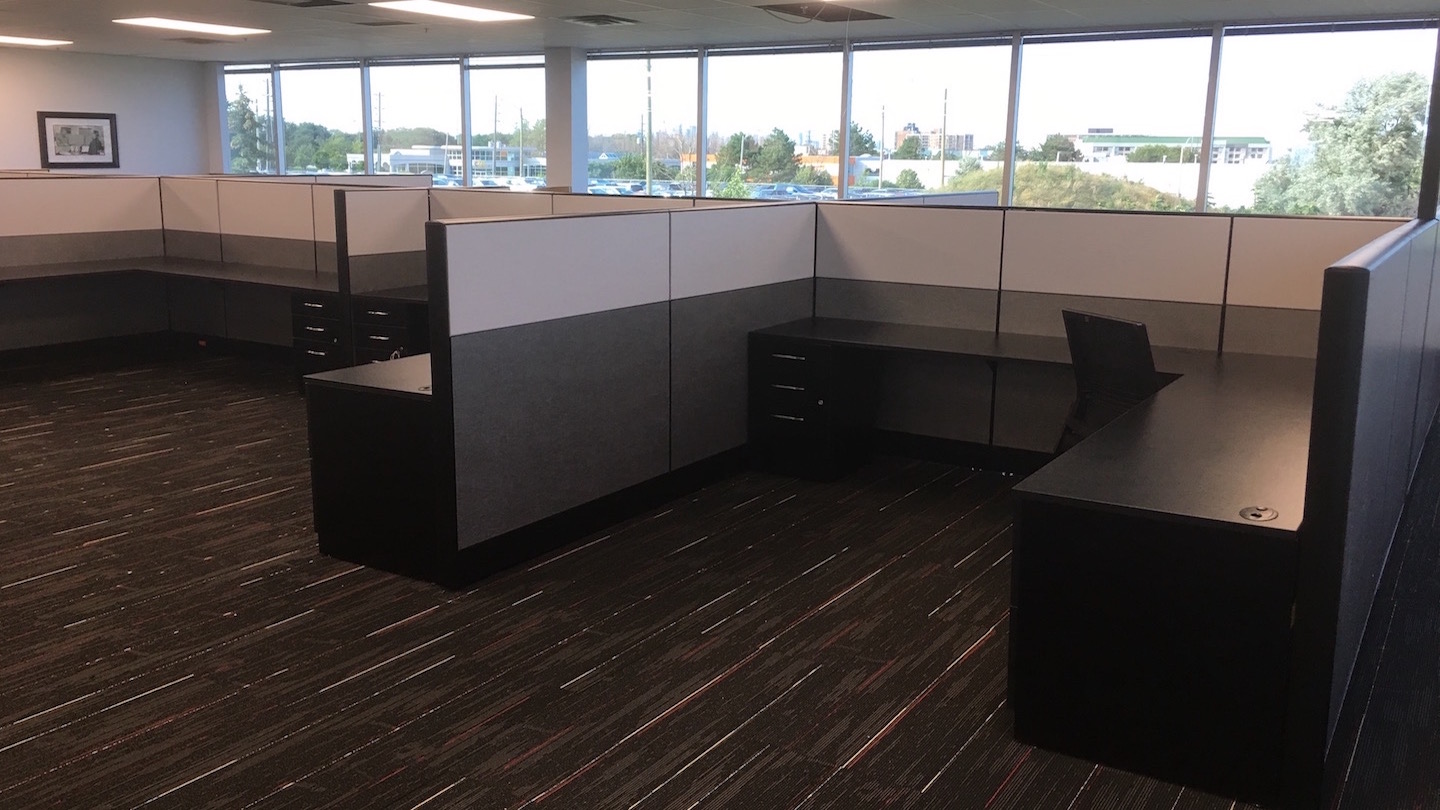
371 464
1150 618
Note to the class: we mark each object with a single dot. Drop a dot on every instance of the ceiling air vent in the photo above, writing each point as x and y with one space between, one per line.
196 40
384 23
598 20
822 12
307 3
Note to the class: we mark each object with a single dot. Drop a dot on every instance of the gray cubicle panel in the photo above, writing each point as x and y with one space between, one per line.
61 220
66 309
551 364
1276 269
382 237
563 204
911 264
732 270
1167 270
191 211
1374 383
270 224
475 203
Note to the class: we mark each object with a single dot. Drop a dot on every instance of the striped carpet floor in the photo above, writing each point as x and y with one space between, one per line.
171 638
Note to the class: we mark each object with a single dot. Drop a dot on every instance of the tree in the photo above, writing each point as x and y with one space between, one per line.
1057 148
1363 158
251 149
908 179
1049 186
1158 153
632 167
811 176
861 142
776 161
909 150
739 150
995 151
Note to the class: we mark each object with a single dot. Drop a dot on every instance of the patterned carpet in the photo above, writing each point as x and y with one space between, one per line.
172 638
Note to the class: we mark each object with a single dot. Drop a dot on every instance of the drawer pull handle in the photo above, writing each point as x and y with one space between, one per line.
787 356
787 387
314 305
314 329
378 312
314 353
788 418
380 338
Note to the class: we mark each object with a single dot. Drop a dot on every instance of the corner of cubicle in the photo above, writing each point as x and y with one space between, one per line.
445 530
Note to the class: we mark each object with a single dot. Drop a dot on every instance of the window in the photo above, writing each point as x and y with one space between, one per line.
1147 94
250 114
507 119
415 114
324 129
958 94
638 107
1338 121
770 117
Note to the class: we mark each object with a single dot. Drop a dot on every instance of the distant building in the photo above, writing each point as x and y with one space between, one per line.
1099 146
931 141
448 161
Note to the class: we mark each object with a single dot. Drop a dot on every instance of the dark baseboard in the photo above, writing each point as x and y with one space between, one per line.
470 565
960 453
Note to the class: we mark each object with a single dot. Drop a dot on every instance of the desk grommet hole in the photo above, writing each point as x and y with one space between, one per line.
1259 513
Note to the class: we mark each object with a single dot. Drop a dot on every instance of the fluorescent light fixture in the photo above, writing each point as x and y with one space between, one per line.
194 27
454 11
39 43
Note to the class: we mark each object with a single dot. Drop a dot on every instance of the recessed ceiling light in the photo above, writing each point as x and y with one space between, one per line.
454 11
196 27
39 43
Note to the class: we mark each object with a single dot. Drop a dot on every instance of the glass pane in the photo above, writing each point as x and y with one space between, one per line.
640 107
324 123
906 104
507 121
415 113
1328 123
765 138
1096 132
250 110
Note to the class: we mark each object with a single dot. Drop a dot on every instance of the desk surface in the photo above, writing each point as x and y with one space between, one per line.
288 278
405 377
1230 433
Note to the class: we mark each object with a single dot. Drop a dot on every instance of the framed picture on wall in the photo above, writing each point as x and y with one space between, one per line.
71 140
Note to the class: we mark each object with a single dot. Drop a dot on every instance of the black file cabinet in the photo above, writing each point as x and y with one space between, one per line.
810 406
318 333
389 328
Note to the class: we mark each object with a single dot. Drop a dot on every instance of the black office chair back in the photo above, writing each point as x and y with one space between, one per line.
1114 371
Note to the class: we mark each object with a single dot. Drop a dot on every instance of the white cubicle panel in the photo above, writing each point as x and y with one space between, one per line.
386 220
377 180
78 205
271 210
1157 257
723 249
966 198
506 273
909 245
1280 262
451 203
322 201
723 202
190 204
564 204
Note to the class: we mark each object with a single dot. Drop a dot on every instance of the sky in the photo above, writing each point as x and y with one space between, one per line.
1268 84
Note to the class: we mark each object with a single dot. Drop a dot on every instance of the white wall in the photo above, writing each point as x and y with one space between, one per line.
159 103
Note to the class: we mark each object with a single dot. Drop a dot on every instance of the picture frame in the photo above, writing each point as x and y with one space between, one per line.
75 140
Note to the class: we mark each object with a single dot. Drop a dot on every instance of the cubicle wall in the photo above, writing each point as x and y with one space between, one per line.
576 357
1375 396
458 203
382 238
66 220
191 213
732 270
267 224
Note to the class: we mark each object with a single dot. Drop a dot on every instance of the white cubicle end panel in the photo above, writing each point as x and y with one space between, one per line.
1167 270
1277 269
977 199
732 270
725 202
191 209
564 204
557 364
449 203
57 220
908 264
270 224
378 180
385 238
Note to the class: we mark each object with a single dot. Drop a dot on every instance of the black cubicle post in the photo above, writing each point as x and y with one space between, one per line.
342 268
446 539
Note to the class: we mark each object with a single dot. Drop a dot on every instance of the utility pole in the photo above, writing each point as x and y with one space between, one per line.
944 130
521 159
881 182
649 127
495 139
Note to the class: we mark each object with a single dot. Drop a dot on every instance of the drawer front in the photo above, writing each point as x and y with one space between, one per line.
313 357
316 305
788 364
387 338
377 355
381 313
780 400
317 330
